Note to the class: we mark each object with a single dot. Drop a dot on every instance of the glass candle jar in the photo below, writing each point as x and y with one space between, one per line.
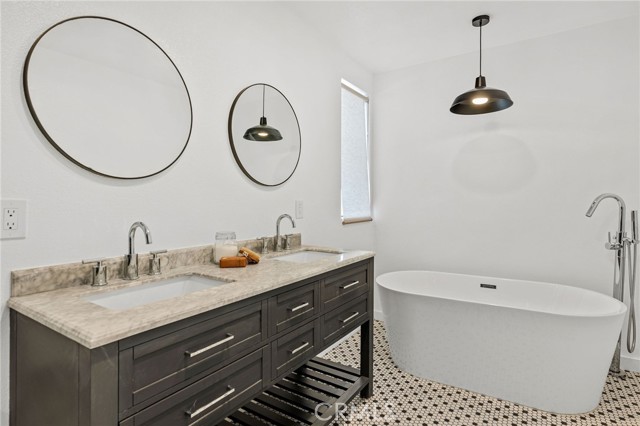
226 245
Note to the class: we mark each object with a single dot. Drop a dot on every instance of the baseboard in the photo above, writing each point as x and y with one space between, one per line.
630 364
377 315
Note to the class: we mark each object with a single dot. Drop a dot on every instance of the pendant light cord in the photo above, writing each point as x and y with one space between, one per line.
263 89
480 48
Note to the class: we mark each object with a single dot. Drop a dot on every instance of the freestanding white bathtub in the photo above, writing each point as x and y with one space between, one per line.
546 346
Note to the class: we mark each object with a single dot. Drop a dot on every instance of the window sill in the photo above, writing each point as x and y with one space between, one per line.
347 221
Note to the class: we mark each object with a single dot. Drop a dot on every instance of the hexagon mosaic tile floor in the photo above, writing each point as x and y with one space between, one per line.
402 399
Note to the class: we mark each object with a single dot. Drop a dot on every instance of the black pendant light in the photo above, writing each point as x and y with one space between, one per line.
262 132
481 99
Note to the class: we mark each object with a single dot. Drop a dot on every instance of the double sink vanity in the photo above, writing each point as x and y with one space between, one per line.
196 344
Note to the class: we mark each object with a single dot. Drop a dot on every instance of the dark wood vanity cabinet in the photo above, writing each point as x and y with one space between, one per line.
223 366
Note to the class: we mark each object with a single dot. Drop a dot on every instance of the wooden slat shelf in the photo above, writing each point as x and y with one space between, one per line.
293 400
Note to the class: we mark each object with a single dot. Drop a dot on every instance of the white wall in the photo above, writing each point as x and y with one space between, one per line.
219 48
500 195
505 194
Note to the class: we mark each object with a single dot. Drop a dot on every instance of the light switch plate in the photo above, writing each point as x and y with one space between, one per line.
14 219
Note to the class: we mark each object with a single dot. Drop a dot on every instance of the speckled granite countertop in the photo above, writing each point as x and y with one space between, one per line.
67 312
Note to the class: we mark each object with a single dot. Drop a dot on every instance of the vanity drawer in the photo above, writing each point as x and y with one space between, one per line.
341 321
159 364
210 399
293 307
344 286
293 349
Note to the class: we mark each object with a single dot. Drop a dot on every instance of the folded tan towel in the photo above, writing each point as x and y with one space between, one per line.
233 262
251 255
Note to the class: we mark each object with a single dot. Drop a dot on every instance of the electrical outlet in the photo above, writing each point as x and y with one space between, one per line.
14 219
299 209
10 219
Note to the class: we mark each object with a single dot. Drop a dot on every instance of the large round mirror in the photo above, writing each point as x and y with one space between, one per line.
107 97
264 135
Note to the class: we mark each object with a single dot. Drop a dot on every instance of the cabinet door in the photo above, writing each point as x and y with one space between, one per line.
210 399
293 349
157 365
342 320
293 307
343 286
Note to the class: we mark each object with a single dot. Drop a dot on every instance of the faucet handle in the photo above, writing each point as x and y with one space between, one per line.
265 245
155 267
99 271
288 239
615 243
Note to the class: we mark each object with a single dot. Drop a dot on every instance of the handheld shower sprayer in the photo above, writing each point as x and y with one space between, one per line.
633 261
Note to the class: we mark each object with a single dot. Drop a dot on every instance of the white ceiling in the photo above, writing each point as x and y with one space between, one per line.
388 35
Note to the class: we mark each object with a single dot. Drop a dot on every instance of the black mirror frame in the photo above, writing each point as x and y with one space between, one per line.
233 149
50 139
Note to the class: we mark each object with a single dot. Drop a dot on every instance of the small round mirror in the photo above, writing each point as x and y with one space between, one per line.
107 97
264 134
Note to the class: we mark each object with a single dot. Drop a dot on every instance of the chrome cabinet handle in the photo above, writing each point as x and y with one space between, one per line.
346 286
193 414
211 346
346 320
299 348
297 308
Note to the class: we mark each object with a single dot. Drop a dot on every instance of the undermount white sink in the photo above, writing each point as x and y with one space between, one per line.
310 256
153 292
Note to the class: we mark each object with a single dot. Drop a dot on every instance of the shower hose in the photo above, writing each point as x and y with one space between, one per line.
631 325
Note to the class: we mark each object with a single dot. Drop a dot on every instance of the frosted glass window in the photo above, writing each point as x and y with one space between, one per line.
355 189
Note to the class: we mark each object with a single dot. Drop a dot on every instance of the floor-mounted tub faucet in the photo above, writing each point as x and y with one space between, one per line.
131 259
278 243
622 208
619 243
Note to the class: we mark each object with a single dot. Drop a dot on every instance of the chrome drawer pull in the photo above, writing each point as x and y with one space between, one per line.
304 305
299 348
346 286
346 320
215 401
199 351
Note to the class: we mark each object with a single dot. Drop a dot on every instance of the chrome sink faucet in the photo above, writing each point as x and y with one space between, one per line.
131 259
278 243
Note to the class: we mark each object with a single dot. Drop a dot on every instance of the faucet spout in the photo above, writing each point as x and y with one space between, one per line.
278 243
132 234
131 259
622 208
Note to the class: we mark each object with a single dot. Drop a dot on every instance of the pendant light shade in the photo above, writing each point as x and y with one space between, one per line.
262 132
481 99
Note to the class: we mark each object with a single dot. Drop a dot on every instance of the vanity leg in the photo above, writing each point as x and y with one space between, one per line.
58 382
366 357
13 363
